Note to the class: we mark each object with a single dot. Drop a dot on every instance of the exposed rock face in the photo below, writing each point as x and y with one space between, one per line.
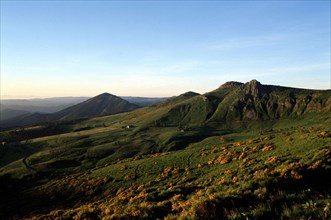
254 88
250 114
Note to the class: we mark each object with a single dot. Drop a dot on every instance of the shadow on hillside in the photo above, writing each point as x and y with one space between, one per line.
11 200
14 151
187 137
43 191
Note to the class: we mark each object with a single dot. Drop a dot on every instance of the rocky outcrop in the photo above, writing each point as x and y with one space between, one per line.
254 88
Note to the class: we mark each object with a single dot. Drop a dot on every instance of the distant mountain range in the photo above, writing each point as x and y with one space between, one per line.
104 104
231 102
8 113
54 101
11 108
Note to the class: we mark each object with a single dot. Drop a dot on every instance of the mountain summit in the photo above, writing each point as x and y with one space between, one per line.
103 104
230 84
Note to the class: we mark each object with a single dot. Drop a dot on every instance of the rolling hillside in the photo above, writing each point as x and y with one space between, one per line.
237 152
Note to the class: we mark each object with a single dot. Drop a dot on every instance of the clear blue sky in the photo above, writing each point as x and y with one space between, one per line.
144 48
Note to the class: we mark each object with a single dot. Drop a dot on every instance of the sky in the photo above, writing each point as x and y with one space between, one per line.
160 48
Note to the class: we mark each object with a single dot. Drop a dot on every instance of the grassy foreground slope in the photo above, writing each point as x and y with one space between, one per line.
241 151
279 173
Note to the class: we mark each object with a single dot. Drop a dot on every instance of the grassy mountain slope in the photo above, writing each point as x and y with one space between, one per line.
239 151
253 101
143 101
248 102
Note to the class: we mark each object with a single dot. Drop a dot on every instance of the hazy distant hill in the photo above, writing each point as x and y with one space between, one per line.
11 108
46 105
11 113
44 102
104 104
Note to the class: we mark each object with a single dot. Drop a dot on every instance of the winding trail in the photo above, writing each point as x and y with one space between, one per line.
27 165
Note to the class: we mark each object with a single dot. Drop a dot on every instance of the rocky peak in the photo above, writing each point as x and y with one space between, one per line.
254 88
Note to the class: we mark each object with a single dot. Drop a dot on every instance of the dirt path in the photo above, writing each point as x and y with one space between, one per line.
27 165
